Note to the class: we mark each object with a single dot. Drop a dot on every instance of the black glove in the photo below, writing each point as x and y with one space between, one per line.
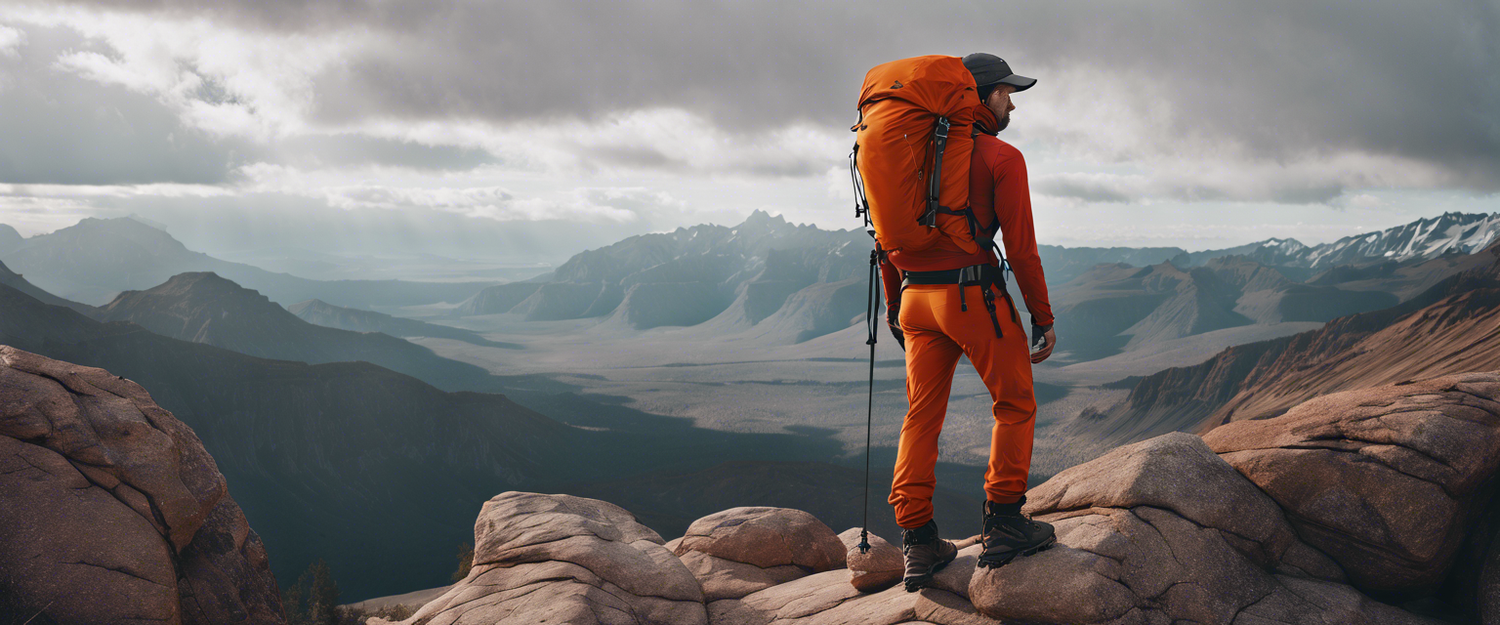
1037 334
893 321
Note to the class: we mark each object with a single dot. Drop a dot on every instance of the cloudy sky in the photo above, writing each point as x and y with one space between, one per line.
532 130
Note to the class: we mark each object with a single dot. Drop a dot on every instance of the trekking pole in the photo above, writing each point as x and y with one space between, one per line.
872 306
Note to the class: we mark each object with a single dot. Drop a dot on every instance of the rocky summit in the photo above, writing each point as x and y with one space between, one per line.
112 510
1364 507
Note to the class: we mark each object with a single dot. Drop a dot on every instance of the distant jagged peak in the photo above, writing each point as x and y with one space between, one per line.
201 287
1165 268
118 222
1288 245
104 230
311 304
1429 237
761 218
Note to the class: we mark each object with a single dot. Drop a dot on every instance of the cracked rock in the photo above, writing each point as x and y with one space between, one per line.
1385 480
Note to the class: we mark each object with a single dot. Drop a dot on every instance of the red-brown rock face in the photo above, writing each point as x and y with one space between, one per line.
1384 480
113 511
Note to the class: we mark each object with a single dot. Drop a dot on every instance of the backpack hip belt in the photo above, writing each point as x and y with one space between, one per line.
988 277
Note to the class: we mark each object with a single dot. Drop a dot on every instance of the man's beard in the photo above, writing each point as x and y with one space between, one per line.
1004 121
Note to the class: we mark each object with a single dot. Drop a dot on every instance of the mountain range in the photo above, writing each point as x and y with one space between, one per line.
205 308
1453 326
1116 307
95 259
733 278
1423 239
779 283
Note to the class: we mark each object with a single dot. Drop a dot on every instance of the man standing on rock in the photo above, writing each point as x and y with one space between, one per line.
930 316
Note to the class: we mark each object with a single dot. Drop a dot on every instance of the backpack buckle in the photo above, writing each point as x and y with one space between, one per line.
973 274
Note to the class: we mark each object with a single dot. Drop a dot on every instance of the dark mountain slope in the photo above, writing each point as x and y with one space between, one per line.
205 308
16 281
9 239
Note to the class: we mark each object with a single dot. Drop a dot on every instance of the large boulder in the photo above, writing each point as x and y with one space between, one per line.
564 559
1179 473
1387 481
112 509
1164 531
742 550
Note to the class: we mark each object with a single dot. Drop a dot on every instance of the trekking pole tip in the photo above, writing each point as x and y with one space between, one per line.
864 540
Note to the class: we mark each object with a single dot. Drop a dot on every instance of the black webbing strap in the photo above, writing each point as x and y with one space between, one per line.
935 181
861 204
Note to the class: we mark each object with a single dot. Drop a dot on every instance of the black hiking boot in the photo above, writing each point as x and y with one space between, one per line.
925 554
1008 534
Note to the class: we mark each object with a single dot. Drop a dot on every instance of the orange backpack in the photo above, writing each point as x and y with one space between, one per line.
911 159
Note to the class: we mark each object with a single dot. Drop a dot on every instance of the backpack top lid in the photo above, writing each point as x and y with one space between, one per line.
937 83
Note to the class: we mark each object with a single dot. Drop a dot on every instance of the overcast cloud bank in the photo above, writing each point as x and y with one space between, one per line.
653 115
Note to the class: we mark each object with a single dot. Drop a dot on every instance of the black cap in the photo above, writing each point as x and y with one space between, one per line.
989 69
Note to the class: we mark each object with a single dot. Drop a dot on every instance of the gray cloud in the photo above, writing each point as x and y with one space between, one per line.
353 150
56 127
1277 78
1083 190
644 157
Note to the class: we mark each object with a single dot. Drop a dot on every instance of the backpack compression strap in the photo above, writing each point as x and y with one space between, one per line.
934 187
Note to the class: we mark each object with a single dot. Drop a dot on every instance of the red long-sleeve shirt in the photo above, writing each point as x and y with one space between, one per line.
997 179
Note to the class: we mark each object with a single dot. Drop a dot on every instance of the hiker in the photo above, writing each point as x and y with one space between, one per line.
945 308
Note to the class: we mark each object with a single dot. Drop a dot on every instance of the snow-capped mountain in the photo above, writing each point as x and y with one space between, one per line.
1423 239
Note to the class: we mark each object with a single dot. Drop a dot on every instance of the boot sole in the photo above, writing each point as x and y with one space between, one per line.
919 582
997 561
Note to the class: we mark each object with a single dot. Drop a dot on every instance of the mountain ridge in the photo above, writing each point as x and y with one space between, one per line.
203 307
1452 327
96 259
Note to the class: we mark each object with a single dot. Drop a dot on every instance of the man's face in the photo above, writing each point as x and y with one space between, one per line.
999 102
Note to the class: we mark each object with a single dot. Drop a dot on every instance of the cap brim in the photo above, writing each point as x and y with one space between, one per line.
1021 83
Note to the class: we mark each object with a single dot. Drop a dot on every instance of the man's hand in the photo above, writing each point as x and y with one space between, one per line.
1042 342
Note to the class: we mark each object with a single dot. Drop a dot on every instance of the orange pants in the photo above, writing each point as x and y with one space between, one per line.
937 333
